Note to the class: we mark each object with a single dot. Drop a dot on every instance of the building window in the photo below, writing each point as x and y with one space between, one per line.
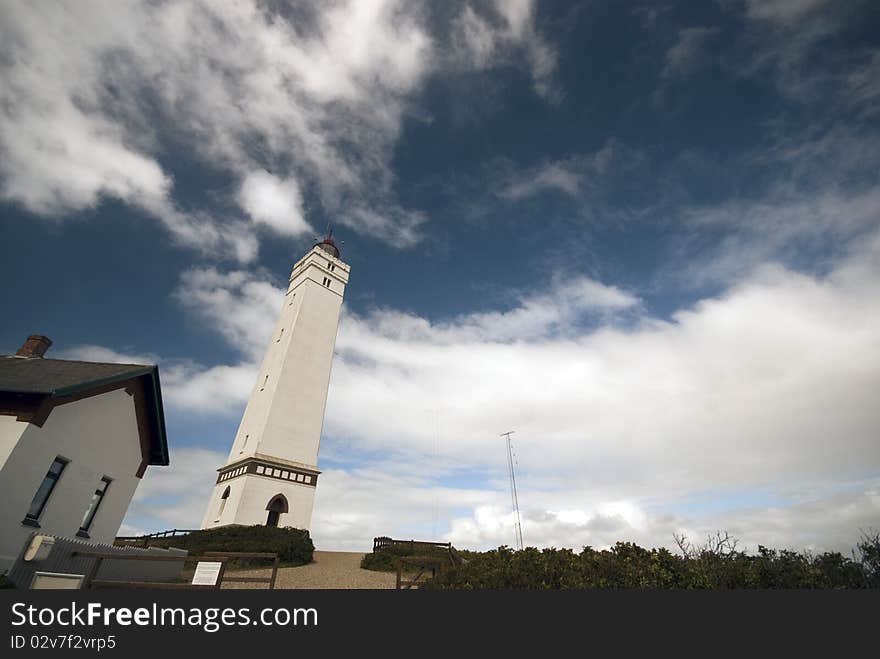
223 499
97 498
43 492
326 282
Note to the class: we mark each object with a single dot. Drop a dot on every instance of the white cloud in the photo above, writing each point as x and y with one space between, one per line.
499 32
186 386
274 202
221 390
765 388
742 390
239 306
572 176
401 226
552 176
175 496
354 506
92 353
98 100
93 95
826 524
781 225
787 37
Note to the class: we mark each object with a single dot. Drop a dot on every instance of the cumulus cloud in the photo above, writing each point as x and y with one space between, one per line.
826 524
239 305
96 98
743 389
175 496
274 202
766 387
187 386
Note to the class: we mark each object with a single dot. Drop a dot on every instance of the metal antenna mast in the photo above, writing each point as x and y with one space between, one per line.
513 498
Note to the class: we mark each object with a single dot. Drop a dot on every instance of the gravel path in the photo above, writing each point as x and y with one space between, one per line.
330 569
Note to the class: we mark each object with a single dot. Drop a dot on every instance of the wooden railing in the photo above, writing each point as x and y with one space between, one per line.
408 584
420 566
222 557
383 542
138 539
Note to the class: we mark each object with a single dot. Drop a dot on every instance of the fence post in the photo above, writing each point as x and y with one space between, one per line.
219 582
274 573
87 583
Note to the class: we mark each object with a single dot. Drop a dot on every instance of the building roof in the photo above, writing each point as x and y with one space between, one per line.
59 377
28 382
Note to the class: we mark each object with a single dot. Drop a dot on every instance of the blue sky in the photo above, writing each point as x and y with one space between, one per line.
644 235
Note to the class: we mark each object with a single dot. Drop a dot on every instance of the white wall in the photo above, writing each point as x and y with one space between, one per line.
249 495
10 433
99 437
285 413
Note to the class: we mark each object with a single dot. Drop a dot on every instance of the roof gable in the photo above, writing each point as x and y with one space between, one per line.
60 377
31 387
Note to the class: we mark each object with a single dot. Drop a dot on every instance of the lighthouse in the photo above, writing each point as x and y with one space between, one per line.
271 473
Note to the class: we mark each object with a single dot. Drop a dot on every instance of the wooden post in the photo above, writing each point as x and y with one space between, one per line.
87 583
397 585
274 573
220 575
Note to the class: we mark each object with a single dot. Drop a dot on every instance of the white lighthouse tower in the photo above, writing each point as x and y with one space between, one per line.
271 473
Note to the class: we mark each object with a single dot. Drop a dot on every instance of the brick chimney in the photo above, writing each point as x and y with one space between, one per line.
35 346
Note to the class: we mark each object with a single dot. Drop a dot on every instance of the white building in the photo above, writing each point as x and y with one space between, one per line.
75 441
271 473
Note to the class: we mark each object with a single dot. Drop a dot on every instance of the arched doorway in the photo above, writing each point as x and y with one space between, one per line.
277 505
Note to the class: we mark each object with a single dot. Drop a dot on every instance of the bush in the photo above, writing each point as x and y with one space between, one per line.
388 558
383 561
293 546
626 565
869 558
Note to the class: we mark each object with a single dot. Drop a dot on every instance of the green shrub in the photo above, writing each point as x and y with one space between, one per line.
626 565
383 561
388 558
293 546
